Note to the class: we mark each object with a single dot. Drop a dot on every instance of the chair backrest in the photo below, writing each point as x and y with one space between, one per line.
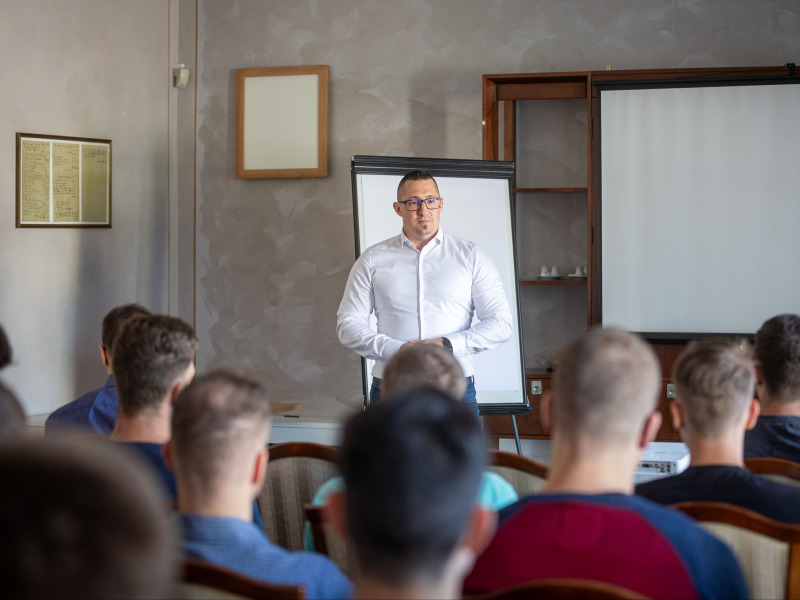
562 589
526 475
328 542
202 580
776 469
767 550
294 473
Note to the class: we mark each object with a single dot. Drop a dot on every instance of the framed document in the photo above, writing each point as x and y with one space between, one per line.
63 181
282 122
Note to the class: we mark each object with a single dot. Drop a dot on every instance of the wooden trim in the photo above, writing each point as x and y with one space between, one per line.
564 190
773 466
220 578
719 512
542 91
561 589
490 118
499 458
303 449
316 518
555 282
510 134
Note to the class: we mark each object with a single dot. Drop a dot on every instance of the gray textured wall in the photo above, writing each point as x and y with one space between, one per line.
88 68
273 255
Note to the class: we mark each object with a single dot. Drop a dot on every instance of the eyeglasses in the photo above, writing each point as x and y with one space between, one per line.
413 204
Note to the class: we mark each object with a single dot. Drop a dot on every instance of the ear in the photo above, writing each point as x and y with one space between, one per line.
676 412
759 376
173 394
260 468
396 207
546 411
753 410
166 453
104 356
482 525
650 429
335 513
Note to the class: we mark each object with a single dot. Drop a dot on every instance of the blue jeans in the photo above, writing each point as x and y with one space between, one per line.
470 398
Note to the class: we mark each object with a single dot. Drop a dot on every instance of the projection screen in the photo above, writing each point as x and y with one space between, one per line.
477 208
699 207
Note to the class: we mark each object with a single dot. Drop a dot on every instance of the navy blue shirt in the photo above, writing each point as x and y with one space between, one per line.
774 436
94 412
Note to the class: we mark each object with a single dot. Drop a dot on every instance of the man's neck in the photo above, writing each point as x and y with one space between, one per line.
725 450
235 504
141 428
591 471
773 408
371 589
420 243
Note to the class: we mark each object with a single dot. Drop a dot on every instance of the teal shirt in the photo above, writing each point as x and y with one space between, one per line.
494 493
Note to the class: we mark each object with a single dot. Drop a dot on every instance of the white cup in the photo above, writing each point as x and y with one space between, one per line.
554 272
545 272
579 272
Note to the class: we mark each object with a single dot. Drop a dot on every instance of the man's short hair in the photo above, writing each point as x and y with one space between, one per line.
12 415
149 356
112 322
714 383
416 175
778 356
5 349
412 467
217 422
78 523
424 364
607 383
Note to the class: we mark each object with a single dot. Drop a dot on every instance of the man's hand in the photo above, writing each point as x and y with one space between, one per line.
434 341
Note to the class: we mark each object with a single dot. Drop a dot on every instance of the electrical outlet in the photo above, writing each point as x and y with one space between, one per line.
536 387
670 390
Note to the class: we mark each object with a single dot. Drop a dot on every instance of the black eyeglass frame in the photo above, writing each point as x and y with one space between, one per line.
418 203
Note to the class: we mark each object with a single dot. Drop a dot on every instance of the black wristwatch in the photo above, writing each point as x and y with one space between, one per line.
448 345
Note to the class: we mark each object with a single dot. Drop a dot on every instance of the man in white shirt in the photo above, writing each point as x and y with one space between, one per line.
424 286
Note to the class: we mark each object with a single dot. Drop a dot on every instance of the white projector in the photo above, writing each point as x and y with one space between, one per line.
661 459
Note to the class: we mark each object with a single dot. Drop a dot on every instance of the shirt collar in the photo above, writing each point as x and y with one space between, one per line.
437 239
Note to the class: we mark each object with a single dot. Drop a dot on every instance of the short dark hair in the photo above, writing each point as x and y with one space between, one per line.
149 356
714 383
217 421
5 349
778 356
78 523
424 364
416 175
12 415
412 467
112 322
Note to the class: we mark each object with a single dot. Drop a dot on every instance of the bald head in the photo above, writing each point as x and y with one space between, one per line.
424 365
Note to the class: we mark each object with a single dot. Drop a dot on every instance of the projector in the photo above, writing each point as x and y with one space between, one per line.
663 458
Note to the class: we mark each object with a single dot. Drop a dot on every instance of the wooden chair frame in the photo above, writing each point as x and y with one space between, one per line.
213 576
303 449
719 512
500 458
562 589
774 466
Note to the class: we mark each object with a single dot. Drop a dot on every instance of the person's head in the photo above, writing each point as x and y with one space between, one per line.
112 323
78 523
714 385
420 223
5 349
12 415
606 389
424 364
152 359
220 424
412 467
777 350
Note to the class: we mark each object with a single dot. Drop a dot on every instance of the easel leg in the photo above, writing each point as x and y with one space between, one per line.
516 433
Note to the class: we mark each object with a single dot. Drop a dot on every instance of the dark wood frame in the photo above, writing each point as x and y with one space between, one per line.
774 466
499 458
321 170
304 450
220 578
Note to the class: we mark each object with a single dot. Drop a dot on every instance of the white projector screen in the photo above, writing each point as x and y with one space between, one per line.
699 208
468 186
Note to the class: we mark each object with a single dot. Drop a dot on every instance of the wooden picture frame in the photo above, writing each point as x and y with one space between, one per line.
282 122
63 181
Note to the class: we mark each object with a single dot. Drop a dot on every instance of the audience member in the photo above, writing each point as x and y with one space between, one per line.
12 415
78 523
5 349
426 365
220 427
96 411
587 524
412 467
152 360
714 381
777 432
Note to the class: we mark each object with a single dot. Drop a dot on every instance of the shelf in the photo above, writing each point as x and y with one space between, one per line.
553 282
573 190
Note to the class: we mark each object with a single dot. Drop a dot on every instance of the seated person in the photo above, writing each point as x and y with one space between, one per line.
714 382
96 412
412 466
78 523
777 432
413 366
5 349
586 524
218 450
12 415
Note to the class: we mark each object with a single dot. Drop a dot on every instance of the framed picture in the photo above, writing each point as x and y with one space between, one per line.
282 122
63 181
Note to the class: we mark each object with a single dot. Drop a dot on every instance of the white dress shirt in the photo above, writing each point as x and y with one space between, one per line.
423 294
